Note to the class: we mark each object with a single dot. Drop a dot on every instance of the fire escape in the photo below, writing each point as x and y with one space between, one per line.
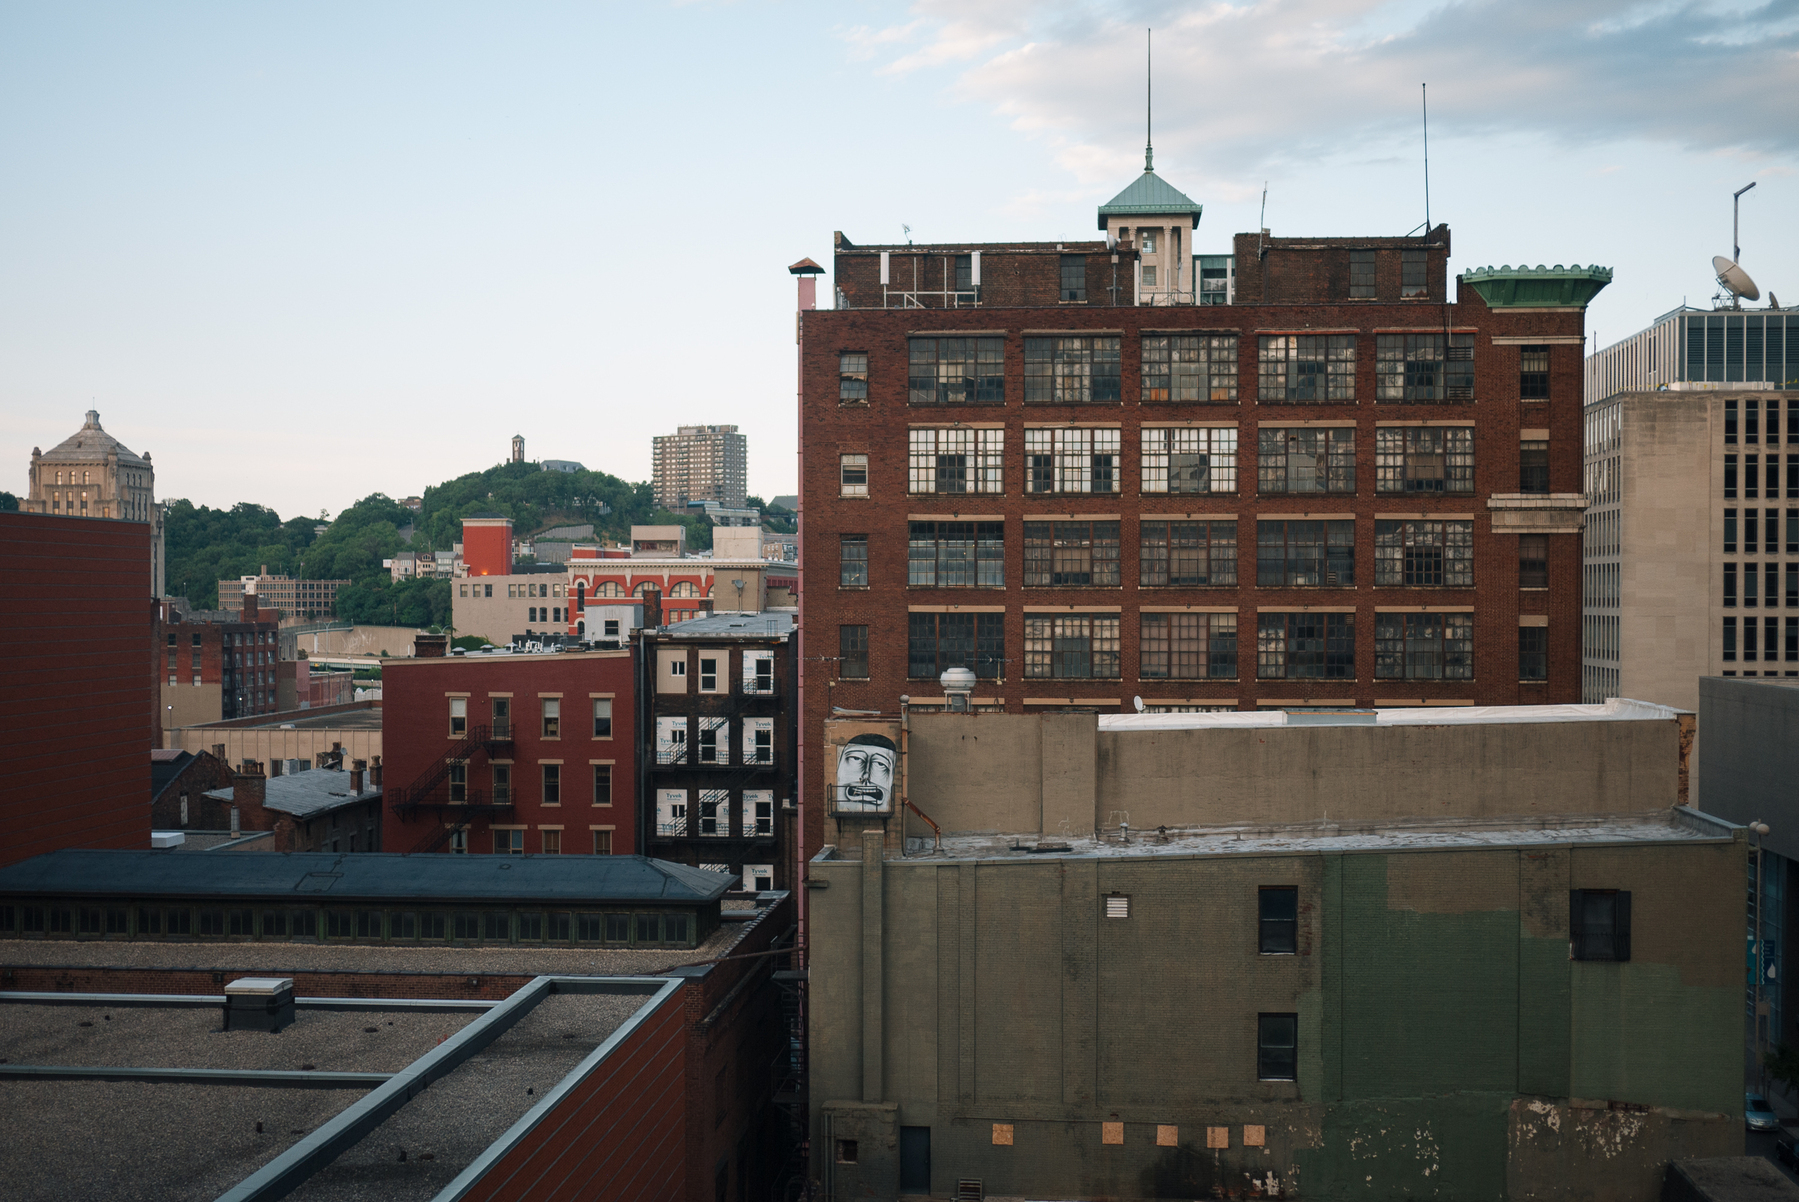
455 802
721 775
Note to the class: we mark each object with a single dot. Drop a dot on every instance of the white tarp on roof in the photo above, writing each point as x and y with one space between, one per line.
1615 709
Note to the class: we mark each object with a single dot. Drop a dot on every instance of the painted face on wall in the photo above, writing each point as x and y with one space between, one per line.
865 767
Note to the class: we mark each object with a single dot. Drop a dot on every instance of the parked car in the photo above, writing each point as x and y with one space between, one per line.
1758 1115
1786 1153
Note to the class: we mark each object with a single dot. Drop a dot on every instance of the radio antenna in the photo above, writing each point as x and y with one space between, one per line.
1424 101
1149 100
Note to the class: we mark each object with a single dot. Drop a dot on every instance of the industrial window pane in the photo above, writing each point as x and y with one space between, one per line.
1079 460
1305 460
1299 646
852 652
1071 554
647 928
1072 371
1424 646
1361 275
1277 1050
1423 369
1301 554
1422 554
1187 554
1533 373
937 642
1306 369
852 378
1278 915
1533 561
1533 467
957 371
1075 646
1188 646
956 555
1189 460
1533 653
852 560
1074 277
1189 367
1414 266
956 461
1424 459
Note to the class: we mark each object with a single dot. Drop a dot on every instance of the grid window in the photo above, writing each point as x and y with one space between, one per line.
1277 1047
502 784
1302 646
509 842
1599 924
1422 554
852 560
1183 646
602 717
1071 460
1074 277
1072 371
714 820
602 784
956 461
1277 912
1189 460
458 783
714 741
1187 554
1189 367
1792 640
1361 275
1424 646
552 717
956 555
1533 561
938 642
1424 459
1071 554
1533 373
1533 466
1730 423
758 740
1414 266
957 371
1306 369
852 652
1414 368
1071 647
458 716
852 378
852 475
1305 460
1301 554
1730 477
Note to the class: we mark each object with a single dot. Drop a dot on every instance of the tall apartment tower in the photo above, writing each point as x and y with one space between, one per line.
1358 483
700 463
91 474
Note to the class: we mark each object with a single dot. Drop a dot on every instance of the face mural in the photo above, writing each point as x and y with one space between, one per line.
865 769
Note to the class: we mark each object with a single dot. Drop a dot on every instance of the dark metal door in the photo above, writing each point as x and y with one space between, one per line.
915 1160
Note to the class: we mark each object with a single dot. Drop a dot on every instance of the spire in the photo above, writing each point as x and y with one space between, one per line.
1149 107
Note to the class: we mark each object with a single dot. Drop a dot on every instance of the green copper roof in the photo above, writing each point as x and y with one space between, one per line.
1536 287
1151 196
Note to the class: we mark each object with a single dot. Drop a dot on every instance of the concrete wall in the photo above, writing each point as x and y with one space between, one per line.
1749 759
1448 1045
1057 773
354 640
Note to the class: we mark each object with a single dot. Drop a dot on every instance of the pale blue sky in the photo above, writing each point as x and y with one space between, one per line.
303 253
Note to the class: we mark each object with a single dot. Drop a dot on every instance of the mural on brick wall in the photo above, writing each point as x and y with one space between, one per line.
867 776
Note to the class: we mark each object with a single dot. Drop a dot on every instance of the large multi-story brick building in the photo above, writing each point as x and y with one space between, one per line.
1359 484
91 474
214 668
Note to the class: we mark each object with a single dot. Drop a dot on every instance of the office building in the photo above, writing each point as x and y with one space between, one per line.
294 599
1701 350
91 474
699 463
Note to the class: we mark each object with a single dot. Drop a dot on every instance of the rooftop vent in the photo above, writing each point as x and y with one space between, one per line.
958 687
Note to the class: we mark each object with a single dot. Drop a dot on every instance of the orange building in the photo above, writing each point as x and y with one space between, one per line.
487 544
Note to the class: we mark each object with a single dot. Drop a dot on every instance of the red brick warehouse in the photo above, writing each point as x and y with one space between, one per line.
1357 483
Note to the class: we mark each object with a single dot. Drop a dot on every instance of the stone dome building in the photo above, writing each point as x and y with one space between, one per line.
91 474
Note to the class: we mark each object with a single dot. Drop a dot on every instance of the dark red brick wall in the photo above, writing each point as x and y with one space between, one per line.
415 735
880 430
75 702
1012 275
1316 270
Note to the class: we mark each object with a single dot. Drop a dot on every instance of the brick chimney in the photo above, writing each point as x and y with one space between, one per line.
356 770
375 772
249 790
251 612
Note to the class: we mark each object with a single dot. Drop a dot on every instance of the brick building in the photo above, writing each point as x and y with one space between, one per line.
213 668
503 752
1359 484
92 474
294 599
77 700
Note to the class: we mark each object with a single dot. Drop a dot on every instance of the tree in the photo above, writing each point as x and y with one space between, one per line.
8 503
1783 1065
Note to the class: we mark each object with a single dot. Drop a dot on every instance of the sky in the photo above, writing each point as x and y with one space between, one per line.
304 253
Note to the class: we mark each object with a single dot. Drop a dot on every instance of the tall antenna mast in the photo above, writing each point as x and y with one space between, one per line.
1149 100
1424 100
1736 251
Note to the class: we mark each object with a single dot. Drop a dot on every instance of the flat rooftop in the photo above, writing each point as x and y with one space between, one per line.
365 719
1615 709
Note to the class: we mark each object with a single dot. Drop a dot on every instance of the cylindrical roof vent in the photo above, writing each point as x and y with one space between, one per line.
958 686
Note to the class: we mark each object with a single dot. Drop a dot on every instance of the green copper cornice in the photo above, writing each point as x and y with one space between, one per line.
1538 287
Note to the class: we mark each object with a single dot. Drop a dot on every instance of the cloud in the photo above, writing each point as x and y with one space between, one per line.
1252 84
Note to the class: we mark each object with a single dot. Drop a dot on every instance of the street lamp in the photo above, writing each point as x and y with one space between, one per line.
1759 828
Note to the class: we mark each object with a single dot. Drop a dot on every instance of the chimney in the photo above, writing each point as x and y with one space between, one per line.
375 772
430 646
250 611
249 789
356 770
218 751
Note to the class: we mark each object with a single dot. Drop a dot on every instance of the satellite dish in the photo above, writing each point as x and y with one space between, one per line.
1138 702
1736 281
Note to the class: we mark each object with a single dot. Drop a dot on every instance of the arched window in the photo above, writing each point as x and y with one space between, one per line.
608 588
645 589
685 588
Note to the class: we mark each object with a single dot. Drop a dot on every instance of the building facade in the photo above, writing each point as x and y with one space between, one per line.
294 599
511 753
718 749
1358 484
92 474
1701 349
699 463
213 671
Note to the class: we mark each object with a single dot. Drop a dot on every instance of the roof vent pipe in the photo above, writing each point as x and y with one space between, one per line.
958 687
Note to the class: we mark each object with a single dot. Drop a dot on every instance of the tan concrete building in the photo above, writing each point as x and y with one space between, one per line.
1691 551
92 474
699 463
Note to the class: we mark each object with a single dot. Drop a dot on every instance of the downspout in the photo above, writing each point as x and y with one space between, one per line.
906 777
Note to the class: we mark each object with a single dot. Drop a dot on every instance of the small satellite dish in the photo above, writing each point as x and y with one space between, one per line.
1736 281
1138 702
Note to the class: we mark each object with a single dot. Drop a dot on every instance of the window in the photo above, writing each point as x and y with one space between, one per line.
1118 905
758 814
1074 277
1189 459
458 717
957 371
1533 466
852 378
1305 460
1072 647
552 784
1424 554
1072 371
1189 367
671 739
1533 373
1188 646
1148 271
1302 554
1306 369
458 783
852 560
1147 238
502 784
1599 924
1533 561
956 461
758 740
1423 646
1413 269
710 751
1278 914
715 814
1730 477
852 475
759 672
507 842
602 717
852 652
502 717
1277 1047
602 843
937 642
1414 368
708 674
552 717
1305 646
1361 275
1533 653
1071 460
1071 554
956 555
1730 585
1424 459
1187 554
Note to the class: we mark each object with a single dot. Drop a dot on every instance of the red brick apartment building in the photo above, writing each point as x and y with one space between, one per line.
76 698
510 753
213 670
1359 484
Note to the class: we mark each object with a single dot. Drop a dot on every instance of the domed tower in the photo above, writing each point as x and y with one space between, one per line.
91 474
